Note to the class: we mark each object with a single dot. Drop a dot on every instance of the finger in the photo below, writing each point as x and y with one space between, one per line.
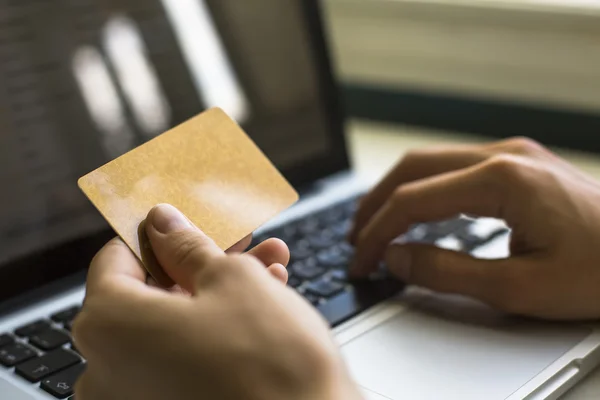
271 251
471 190
87 387
279 272
495 282
176 289
181 249
241 245
115 263
415 166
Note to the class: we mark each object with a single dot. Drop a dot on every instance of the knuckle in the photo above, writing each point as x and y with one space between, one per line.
412 156
523 145
187 249
228 267
399 195
507 168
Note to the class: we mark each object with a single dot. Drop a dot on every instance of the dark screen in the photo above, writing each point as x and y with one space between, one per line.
83 81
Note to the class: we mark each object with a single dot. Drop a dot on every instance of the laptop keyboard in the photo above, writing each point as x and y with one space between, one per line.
41 352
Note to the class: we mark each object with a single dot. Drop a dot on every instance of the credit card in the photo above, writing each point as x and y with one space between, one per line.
207 167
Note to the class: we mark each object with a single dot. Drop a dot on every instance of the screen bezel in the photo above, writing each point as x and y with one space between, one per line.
44 267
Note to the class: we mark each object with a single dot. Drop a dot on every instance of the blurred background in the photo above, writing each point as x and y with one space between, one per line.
83 81
490 67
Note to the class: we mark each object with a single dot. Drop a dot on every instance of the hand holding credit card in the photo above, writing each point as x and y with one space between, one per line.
206 167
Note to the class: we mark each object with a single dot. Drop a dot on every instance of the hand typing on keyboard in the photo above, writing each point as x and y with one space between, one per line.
553 209
240 335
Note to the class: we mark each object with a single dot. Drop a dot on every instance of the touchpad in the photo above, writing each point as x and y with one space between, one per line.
425 354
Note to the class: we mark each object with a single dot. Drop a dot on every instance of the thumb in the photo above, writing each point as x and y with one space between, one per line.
179 247
491 281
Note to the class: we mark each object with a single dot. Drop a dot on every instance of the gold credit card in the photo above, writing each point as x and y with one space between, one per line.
207 167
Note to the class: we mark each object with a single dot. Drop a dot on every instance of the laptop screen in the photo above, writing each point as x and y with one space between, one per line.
84 81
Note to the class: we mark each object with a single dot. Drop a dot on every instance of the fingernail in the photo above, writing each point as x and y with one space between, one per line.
166 219
398 260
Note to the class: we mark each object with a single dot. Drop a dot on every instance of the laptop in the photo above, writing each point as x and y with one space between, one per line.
85 81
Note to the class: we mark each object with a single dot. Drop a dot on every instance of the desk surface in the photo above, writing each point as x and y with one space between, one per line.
376 147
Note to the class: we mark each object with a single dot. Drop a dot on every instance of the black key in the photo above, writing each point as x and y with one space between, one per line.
332 258
69 326
48 364
350 206
332 216
32 328
307 270
49 339
324 288
61 384
286 233
16 353
301 250
448 227
341 229
417 233
339 275
346 248
74 348
309 225
360 297
314 300
323 239
293 281
65 315
6 339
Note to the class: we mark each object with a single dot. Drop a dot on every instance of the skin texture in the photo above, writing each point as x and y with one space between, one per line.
230 329
553 209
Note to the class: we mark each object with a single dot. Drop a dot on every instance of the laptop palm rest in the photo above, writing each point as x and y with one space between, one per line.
12 392
445 348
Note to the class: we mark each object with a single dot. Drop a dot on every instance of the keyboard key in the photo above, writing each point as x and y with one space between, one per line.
308 225
16 353
332 258
49 339
61 384
294 281
48 364
307 270
286 233
332 216
340 275
65 315
32 328
350 207
346 248
324 288
69 326
447 227
6 339
314 300
301 250
323 240
341 229
360 297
